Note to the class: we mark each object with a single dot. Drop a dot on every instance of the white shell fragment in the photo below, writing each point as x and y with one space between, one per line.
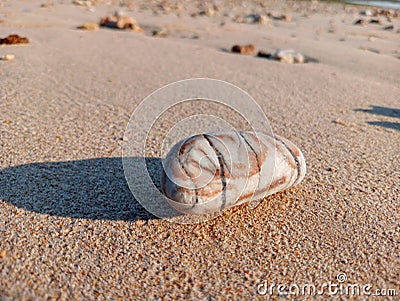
8 57
211 172
288 56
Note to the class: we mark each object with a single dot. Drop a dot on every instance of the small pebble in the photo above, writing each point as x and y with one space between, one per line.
361 22
286 56
264 20
244 49
89 26
286 18
3 254
14 39
375 21
367 13
120 22
8 57
86 3
283 17
209 12
255 19
264 54
389 27
46 5
289 56
340 121
160 33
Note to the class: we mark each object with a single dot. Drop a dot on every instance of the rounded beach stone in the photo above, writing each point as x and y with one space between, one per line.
215 171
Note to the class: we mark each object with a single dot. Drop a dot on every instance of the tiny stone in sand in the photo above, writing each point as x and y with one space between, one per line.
120 22
367 13
285 56
209 12
244 49
283 17
361 22
86 3
47 5
255 19
289 56
375 21
264 54
89 26
389 27
8 57
160 33
14 39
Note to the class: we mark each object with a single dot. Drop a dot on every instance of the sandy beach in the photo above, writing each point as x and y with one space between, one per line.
70 228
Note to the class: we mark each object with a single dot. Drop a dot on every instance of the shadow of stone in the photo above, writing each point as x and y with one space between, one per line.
389 125
91 189
377 110
383 111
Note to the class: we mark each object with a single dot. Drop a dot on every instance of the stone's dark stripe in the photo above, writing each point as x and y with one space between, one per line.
222 137
186 172
163 180
294 157
255 153
262 153
187 155
222 170
186 144
222 157
281 148
226 165
295 152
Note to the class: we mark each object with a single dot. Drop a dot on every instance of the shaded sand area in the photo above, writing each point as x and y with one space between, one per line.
71 230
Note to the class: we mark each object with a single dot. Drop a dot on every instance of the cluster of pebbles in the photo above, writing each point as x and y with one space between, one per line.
377 16
264 19
282 55
117 21
12 39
